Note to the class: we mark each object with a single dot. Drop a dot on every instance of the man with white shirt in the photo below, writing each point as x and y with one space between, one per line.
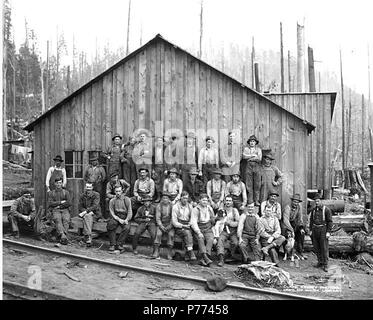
273 204
173 185
216 190
56 172
208 159
237 190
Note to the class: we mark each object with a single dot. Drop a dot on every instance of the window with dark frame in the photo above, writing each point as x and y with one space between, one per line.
74 164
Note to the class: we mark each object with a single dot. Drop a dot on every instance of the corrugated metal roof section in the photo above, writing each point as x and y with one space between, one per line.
158 37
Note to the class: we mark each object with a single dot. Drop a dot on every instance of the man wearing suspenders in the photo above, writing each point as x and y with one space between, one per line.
320 228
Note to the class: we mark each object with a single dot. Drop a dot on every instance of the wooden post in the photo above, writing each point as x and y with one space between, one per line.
362 133
257 82
200 31
128 27
282 60
311 71
289 71
343 116
300 58
252 64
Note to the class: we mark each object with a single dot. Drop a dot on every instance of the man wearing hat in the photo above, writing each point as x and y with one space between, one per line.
208 159
158 172
120 217
174 153
110 188
216 190
320 227
163 218
248 232
89 210
113 155
22 212
253 156
173 185
229 230
190 156
230 157
144 187
273 204
292 220
142 153
237 190
145 218
194 186
271 177
182 221
55 172
95 174
128 166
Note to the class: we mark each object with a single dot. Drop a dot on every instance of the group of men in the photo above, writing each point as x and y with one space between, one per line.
195 199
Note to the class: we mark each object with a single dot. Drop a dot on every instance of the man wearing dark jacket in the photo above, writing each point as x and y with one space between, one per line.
320 227
194 186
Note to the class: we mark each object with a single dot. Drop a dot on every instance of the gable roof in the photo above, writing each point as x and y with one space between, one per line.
158 37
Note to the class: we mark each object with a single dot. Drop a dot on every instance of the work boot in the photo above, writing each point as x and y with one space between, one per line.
190 256
203 263
207 259
169 253
318 265
155 254
221 260
267 248
111 248
135 252
120 247
325 268
63 241
15 234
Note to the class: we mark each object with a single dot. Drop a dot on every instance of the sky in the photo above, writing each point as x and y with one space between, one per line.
329 26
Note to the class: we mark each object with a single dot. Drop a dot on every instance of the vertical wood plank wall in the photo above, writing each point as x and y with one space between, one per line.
167 84
317 109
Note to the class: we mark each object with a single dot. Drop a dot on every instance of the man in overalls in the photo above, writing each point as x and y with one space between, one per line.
158 172
230 157
216 190
119 222
271 177
110 189
56 172
208 159
273 204
113 154
320 227
142 153
144 187
173 185
203 220
237 190
128 166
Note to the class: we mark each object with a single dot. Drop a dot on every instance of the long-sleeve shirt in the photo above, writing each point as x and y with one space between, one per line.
249 224
50 172
94 174
110 187
202 215
216 186
142 153
173 187
90 202
236 189
275 208
252 153
321 216
194 189
55 197
163 214
231 152
292 217
23 206
181 215
144 186
145 214
121 207
208 156
271 227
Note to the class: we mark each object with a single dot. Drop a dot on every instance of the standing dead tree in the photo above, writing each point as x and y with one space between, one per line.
200 31
128 27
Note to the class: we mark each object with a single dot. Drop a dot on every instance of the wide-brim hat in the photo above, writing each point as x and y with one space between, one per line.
217 171
273 193
58 158
117 135
317 196
165 194
253 137
190 134
193 171
236 174
216 283
143 168
210 138
146 198
114 173
173 170
269 155
94 158
296 197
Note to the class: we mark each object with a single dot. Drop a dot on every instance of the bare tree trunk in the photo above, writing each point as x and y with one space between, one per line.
200 31
289 71
252 64
4 70
362 133
282 60
68 80
257 80
42 87
47 80
343 116
300 58
128 27
311 70
349 130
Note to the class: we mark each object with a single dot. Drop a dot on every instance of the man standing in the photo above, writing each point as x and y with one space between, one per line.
110 189
253 156
89 210
59 203
203 220
128 166
271 177
22 212
120 213
230 157
173 185
194 186
158 172
163 217
216 190
272 204
56 172
145 218
270 237
237 190
248 231
144 187
95 174
113 155
320 227
190 156
292 220
182 221
230 229
208 160
142 153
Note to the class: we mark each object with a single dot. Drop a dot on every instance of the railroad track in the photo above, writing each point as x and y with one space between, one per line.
186 278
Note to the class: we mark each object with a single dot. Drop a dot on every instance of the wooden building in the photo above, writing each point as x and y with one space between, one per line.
159 87
317 108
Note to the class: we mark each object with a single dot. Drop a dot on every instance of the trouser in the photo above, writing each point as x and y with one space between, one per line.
170 236
252 181
106 213
88 220
61 218
158 179
272 251
250 241
215 199
99 187
141 228
129 174
115 227
320 244
114 166
15 221
299 240
224 236
186 235
185 169
207 172
205 244
237 202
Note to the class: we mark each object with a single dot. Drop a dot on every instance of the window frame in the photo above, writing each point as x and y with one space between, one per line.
75 164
